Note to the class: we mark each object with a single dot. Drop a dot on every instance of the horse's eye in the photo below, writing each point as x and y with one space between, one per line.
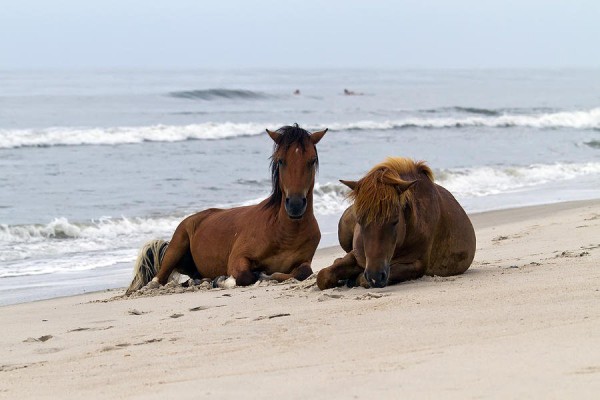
312 162
395 222
280 162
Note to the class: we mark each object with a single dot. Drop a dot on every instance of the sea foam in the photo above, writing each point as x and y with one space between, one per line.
589 119
60 136
485 181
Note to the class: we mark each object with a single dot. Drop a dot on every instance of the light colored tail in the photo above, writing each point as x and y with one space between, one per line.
147 264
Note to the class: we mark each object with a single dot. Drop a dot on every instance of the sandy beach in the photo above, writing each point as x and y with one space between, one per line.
522 322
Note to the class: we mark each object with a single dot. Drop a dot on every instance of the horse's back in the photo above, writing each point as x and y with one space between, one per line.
453 245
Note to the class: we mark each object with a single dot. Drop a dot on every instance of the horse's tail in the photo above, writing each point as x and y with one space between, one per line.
147 264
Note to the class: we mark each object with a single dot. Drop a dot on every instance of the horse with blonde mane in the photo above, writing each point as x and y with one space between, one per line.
400 226
277 237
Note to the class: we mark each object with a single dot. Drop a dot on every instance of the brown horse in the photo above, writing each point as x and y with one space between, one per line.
401 226
278 236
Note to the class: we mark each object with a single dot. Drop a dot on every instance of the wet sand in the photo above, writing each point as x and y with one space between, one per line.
522 322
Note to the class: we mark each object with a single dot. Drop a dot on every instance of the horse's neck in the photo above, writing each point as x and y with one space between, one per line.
419 212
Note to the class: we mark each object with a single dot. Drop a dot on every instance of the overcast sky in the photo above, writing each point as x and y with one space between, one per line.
326 33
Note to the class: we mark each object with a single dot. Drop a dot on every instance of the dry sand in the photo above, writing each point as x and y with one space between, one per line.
523 322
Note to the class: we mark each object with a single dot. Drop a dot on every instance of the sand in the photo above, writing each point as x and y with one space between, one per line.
522 322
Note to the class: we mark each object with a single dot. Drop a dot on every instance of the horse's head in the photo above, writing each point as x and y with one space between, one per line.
293 167
379 202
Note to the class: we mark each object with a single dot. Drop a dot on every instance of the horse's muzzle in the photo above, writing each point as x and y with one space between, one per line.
295 206
379 278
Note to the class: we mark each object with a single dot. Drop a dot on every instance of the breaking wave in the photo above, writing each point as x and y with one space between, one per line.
125 135
210 94
485 181
595 144
61 245
330 198
568 119
466 110
211 130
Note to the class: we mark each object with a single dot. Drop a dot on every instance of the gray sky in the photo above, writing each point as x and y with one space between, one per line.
335 33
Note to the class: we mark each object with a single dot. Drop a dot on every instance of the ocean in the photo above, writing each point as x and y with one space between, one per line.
95 163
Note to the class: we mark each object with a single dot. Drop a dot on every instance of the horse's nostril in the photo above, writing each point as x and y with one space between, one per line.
377 279
304 201
287 200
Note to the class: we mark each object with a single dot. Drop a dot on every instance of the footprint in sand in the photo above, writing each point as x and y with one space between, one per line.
12 367
572 254
370 296
124 345
48 350
40 339
329 296
271 316
91 329
136 312
594 369
202 308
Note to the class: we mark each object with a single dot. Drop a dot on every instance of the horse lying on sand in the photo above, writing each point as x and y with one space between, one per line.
278 236
400 226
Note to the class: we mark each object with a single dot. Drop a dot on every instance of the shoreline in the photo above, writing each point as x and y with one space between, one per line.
480 219
522 322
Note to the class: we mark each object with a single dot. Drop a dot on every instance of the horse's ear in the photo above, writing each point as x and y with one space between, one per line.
351 184
316 136
276 136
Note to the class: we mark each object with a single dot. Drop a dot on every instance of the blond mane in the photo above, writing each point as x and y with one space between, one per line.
378 200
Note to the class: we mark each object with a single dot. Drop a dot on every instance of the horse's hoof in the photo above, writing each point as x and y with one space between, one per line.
303 273
264 277
229 283
224 282
362 281
195 282
325 280
217 280
153 284
189 283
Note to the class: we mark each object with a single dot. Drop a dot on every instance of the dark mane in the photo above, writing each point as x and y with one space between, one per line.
290 135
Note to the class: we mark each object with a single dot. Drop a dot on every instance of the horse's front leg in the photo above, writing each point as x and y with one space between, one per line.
342 269
301 272
400 272
240 269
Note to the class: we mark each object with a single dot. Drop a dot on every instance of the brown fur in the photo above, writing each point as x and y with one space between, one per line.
401 226
244 241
